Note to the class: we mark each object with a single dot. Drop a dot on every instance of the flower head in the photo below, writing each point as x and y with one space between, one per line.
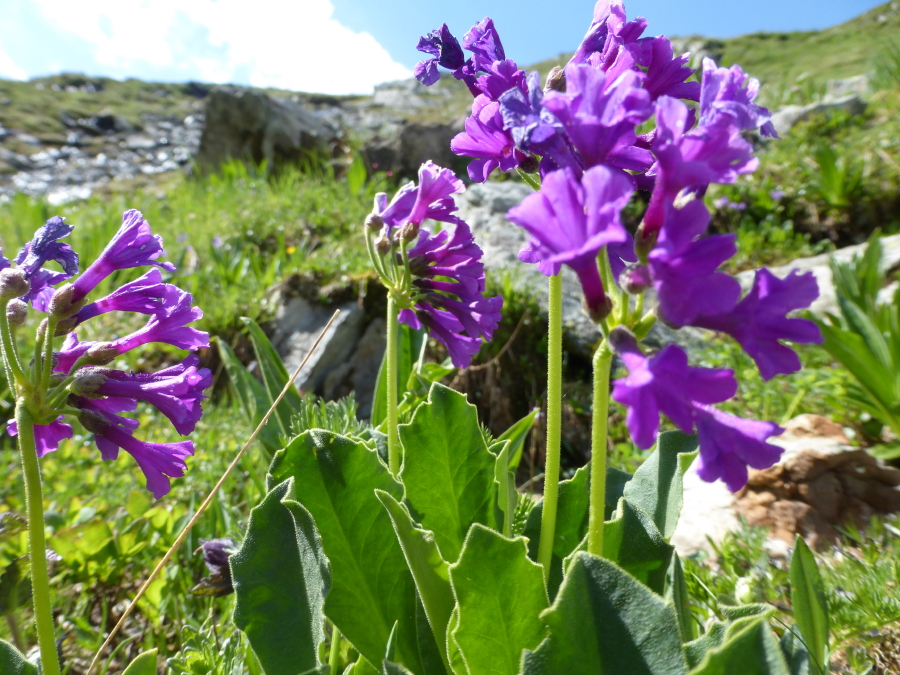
729 93
144 295
413 204
45 246
445 52
216 553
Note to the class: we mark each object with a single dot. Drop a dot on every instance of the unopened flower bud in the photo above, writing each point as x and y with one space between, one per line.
65 326
61 304
383 246
635 279
100 354
87 382
644 242
13 283
57 379
527 163
409 232
622 341
93 422
374 222
16 312
556 79
599 310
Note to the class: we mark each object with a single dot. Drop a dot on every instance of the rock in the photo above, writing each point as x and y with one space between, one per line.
298 325
838 89
249 125
785 118
360 373
413 144
755 506
708 515
826 495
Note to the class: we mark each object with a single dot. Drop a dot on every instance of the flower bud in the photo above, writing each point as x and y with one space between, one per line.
382 246
13 283
635 279
93 422
410 232
100 354
556 79
57 379
87 382
527 163
600 310
16 312
61 304
374 222
642 327
622 341
644 242
65 326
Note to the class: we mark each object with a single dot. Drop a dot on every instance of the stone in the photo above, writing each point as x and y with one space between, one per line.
360 373
299 323
838 89
858 512
254 127
826 495
787 117
708 515
806 466
755 507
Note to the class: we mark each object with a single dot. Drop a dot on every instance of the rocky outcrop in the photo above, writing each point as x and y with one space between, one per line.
787 117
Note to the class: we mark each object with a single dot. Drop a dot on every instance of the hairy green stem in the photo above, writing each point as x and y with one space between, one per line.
335 655
40 582
602 363
554 424
392 376
10 355
48 354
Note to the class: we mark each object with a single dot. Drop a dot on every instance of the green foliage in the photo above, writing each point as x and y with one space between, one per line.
749 647
274 577
337 416
410 345
886 73
144 664
13 663
810 608
837 179
208 650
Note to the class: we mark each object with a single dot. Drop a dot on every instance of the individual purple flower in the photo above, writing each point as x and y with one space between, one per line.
759 321
729 444
445 52
570 220
684 264
431 198
612 42
667 74
47 437
143 295
499 77
41 289
729 93
216 553
486 140
599 116
665 383
70 352
45 246
449 331
170 327
134 245
484 43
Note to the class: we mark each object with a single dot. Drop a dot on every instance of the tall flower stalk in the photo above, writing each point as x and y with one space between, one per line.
75 381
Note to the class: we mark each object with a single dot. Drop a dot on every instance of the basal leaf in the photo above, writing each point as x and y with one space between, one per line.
281 578
605 622
372 588
144 664
656 487
500 593
448 470
810 606
516 435
750 648
632 541
12 662
429 570
696 650
796 655
507 496
677 594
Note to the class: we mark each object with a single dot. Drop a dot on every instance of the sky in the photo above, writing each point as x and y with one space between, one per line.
335 46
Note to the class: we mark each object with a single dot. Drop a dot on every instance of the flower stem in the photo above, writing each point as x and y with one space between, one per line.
11 356
602 363
392 377
48 354
554 424
40 582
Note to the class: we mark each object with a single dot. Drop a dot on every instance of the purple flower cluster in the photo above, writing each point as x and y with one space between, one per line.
100 393
586 131
448 283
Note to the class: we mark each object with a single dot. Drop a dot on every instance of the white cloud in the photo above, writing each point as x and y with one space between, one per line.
291 44
9 69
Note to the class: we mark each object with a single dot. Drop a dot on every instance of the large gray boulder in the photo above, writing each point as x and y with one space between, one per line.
787 117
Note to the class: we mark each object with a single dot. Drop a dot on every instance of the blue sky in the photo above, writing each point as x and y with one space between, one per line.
334 46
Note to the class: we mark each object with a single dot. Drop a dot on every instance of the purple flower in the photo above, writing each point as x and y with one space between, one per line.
143 295
41 290
570 220
445 52
665 383
70 352
666 73
776 195
500 77
176 392
449 331
170 327
683 266
729 444
759 321
45 247
599 116
216 553
484 43
432 198
729 93
612 42
486 140
47 437
134 245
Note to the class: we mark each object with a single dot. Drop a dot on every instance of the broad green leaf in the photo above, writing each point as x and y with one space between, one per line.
656 487
391 668
616 480
632 541
751 610
431 647
429 570
275 376
448 470
144 664
281 579
500 593
507 496
677 594
12 662
605 622
795 653
810 605
372 588
457 662
409 346
750 648
516 435
361 667
696 650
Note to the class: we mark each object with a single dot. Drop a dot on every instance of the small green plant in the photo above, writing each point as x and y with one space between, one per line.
886 71
836 178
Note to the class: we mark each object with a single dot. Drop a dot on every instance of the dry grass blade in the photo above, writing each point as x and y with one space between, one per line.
181 537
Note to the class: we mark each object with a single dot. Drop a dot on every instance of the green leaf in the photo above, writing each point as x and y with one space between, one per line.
12 590
696 650
372 588
632 541
677 594
281 579
795 653
275 376
516 435
500 593
429 570
391 668
810 605
457 662
144 664
361 667
507 496
447 469
12 662
409 345
605 622
750 648
657 487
